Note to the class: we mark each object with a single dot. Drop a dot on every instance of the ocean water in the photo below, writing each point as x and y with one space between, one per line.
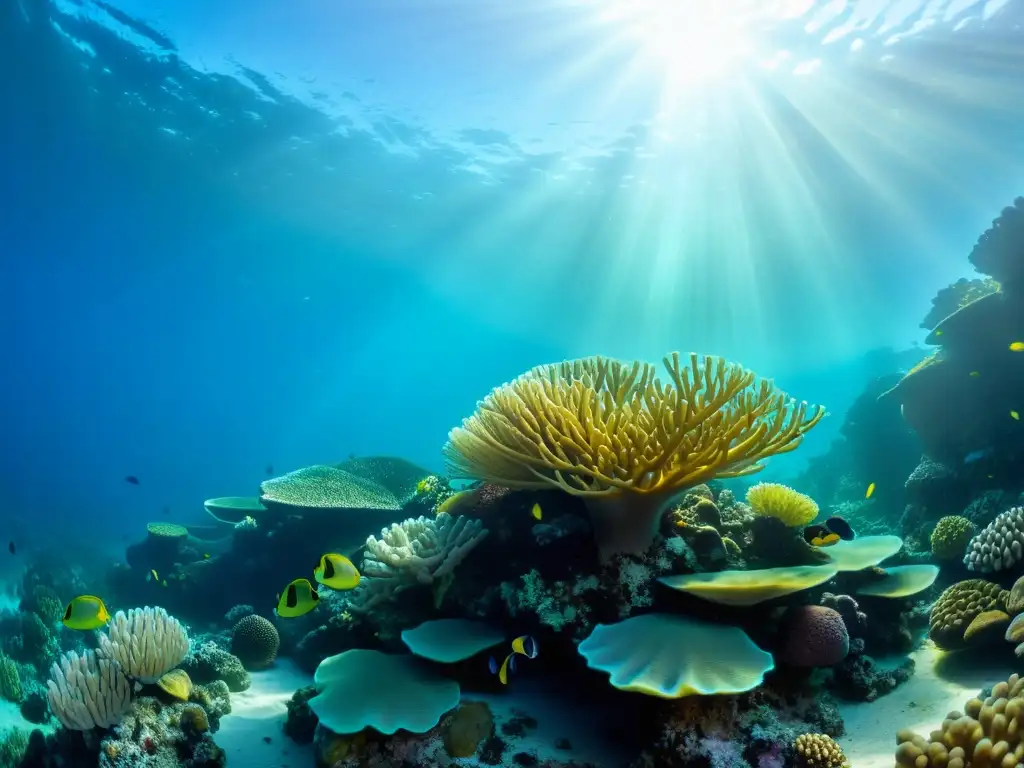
280 251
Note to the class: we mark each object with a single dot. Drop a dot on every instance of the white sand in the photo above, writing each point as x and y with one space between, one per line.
260 712
941 684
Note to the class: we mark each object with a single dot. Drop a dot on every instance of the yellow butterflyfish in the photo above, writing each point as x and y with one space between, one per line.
85 612
870 490
337 572
536 512
298 599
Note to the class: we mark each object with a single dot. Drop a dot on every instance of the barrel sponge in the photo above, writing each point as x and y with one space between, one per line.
623 440
671 656
1000 544
987 733
255 641
783 503
450 640
361 689
146 642
951 536
958 606
813 636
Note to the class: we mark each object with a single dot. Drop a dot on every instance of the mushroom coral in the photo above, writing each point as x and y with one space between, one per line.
625 441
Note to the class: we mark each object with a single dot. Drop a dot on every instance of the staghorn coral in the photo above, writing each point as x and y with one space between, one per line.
146 642
420 550
626 442
951 537
959 606
783 503
255 642
986 734
87 692
1000 545
816 750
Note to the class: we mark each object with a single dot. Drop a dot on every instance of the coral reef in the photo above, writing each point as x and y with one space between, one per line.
818 750
207 662
1000 545
951 537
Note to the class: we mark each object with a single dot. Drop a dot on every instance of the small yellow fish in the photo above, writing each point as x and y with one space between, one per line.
525 646
85 612
1015 415
870 490
508 665
938 333
298 599
537 514
337 572
453 502
975 374
152 576
1017 346
825 541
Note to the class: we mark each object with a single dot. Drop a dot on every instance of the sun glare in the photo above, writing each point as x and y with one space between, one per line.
691 41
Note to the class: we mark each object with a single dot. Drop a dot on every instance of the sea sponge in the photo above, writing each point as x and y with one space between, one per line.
361 689
671 656
958 606
986 734
816 750
254 640
783 503
623 440
470 724
951 536
1000 544
744 588
145 642
813 636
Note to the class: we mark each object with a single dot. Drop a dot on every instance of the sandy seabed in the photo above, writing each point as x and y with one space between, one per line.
941 683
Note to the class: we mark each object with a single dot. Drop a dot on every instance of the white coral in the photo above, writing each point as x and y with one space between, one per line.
420 550
147 643
1000 545
88 692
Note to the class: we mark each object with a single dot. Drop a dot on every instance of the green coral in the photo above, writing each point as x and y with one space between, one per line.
10 680
13 744
951 537
45 603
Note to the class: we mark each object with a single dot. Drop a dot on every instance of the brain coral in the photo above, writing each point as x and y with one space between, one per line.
951 536
1000 545
989 734
958 606
625 441
813 636
255 641
783 503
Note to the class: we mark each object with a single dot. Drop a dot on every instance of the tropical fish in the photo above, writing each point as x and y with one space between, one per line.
817 531
206 555
525 646
839 526
977 455
870 490
337 572
132 480
1017 346
825 541
537 514
507 666
1015 415
298 599
85 612
152 576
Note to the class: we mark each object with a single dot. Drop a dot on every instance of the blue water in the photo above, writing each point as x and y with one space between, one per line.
245 234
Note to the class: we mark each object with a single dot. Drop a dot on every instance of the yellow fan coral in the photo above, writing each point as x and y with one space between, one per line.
625 441
782 502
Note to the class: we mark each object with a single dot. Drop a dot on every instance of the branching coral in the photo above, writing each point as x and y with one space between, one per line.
420 550
625 441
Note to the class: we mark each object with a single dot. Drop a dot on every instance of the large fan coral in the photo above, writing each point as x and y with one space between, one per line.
625 441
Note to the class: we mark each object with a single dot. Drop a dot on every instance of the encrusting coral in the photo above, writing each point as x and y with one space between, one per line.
626 442
988 733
